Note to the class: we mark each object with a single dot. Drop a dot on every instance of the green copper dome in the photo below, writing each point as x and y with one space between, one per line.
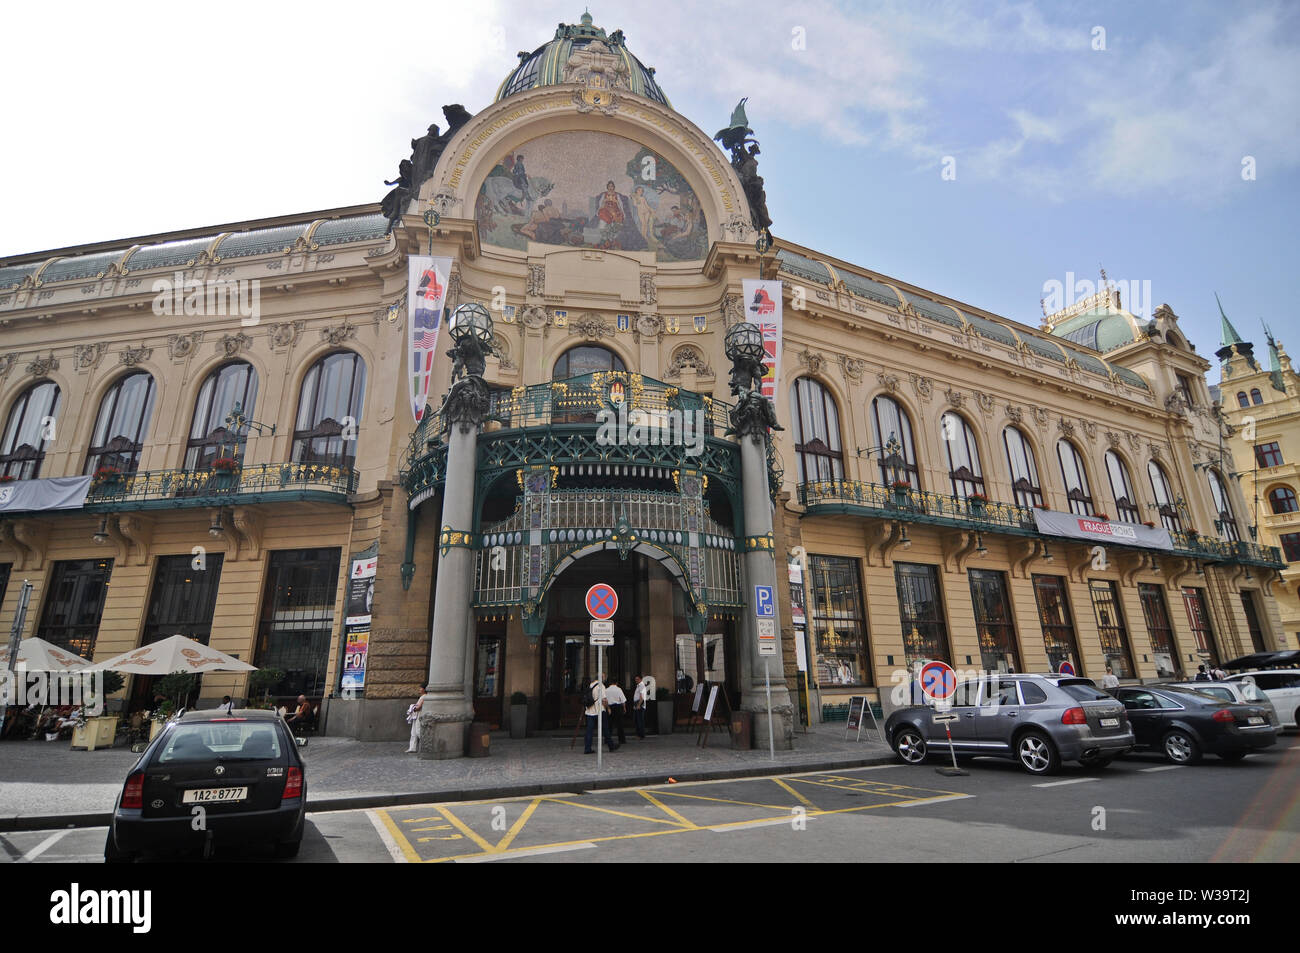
545 66
1100 329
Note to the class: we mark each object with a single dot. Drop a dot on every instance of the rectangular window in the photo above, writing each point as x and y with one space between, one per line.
1268 454
1057 622
920 604
1185 388
1198 617
297 619
1290 546
183 599
74 604
1110 626
1163 647
1252 620
993 622
839 623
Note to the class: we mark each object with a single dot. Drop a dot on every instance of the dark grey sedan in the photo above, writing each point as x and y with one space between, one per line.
1182 723
1037 720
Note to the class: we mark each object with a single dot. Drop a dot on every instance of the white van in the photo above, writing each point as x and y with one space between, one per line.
1282 686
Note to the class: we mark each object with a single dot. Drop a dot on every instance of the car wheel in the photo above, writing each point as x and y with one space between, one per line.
1233 755
910 746
114 856
1036 753
1181 748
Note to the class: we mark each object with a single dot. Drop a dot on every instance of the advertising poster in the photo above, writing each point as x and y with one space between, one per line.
361 591
426 297
354 659
763 307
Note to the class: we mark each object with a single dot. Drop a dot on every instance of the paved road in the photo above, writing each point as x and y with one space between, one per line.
1137 809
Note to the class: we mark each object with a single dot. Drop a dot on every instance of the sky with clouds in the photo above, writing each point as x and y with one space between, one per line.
1074 134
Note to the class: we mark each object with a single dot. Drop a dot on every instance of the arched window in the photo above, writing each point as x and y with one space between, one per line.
329 407
1076 479
816 432
963 455
1226 521
210 436
1024 469
891 436
1242 399
1255 396
1282 500
29 431
1164 495
120 428
578 362
1121 488
586 359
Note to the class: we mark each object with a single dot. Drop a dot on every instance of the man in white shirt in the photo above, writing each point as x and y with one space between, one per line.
1108 681
596 695
617 702
640 695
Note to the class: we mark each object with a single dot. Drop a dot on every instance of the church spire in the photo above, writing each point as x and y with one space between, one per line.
1230 340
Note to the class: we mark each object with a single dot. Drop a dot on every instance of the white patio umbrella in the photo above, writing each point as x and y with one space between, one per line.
173 654
37 655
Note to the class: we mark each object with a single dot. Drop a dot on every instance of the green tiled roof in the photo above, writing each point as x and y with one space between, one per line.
260 242
802 267
866 288
991 330
85 266
13 276
168 254
935 312
356 229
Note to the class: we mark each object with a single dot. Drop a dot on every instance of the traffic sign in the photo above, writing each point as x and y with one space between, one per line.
601 639
943 717
602 601
764 602
766 637
601 626
938 680
1066 668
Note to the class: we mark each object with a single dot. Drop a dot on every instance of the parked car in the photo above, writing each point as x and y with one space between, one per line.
1037 720
1184 723
243 770
1282 686
1242 691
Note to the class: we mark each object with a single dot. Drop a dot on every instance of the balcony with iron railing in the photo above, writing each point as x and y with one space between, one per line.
615 420
854 497
259 483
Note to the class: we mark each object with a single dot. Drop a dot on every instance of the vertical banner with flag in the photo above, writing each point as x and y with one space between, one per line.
426 297
763 307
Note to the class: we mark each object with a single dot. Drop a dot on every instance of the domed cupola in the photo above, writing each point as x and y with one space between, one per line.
582 53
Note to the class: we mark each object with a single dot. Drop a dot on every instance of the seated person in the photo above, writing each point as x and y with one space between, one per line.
302 716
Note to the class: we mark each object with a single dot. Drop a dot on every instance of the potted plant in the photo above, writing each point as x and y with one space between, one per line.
518 715
976 503
97 730
1105 517
260 684
901 488
664 710
7 478
225 472
176 688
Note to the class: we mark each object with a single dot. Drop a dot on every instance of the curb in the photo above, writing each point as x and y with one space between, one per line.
41 822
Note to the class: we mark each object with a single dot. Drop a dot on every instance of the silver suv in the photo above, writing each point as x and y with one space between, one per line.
1038 720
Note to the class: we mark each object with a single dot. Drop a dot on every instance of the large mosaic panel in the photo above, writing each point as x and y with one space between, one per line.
591 190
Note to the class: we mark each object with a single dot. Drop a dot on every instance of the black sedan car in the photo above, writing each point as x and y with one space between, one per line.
213 778
1183 724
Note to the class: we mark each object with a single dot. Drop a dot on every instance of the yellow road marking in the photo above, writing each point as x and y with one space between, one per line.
464 829
518 825
409 852
609 810
666 809
724 800
417 820
439 827
425 840
787 787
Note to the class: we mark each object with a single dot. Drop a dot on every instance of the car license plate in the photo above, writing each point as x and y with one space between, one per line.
1110 722
1254 720
204 795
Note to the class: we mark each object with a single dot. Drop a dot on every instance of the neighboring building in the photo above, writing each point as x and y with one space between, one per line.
1262 406
610 236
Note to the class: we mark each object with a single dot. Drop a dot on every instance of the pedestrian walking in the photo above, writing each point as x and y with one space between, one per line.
640 695
1219 675
592 705
1201 674
617 705
413 719
1108 681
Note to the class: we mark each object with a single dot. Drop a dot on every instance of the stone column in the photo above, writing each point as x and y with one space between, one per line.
448 706
759 569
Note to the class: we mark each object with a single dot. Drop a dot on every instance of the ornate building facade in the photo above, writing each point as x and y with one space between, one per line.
951 484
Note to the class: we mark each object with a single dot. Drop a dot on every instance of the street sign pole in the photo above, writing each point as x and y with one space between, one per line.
771 738
600 710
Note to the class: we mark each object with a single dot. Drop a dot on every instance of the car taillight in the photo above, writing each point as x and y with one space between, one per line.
293 784
1074 716
133 793
1224 715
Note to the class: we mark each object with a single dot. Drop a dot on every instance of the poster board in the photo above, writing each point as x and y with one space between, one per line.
859 711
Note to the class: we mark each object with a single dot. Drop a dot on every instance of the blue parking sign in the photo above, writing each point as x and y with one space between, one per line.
764 602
